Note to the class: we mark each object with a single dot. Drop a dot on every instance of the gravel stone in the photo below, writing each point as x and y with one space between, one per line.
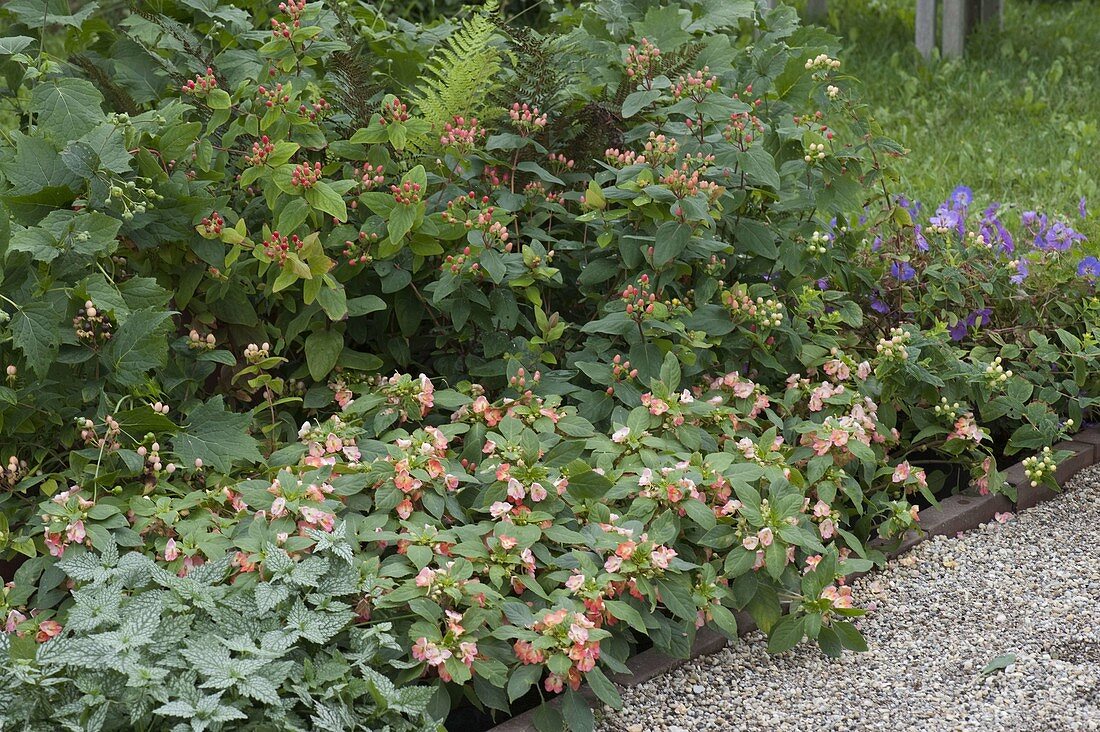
1029 587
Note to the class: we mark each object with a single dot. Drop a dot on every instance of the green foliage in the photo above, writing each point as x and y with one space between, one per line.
251 662
458 79
656 354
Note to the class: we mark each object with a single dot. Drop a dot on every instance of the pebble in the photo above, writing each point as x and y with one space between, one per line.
1029 587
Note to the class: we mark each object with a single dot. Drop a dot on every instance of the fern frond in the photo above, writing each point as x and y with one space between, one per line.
460 76
356 92
536 74
118 98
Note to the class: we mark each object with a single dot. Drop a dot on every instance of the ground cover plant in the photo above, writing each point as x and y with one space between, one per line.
458 362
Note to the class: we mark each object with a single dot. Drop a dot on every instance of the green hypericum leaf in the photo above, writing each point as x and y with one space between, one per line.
67 108
322 197
216 436
36 332
323 349
999 663
639 100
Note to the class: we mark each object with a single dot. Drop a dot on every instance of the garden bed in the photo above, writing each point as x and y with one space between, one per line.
954 514
365 370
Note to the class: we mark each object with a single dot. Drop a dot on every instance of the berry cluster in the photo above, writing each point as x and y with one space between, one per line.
740 122
304 176
12 473
640 299
996 374
213 223
621 159
894 346
253 354
406 194
560 162
643 61
153 464
201 85
685 182
660 150
108 440
520 380
260 151
527 119
1038 466
277 247
815 151
369 176
695 86
315 111
92 326
461 134
395 111
822 62
817 243
462 263
293 10
764 313
272 96
495 177
197 343
357 251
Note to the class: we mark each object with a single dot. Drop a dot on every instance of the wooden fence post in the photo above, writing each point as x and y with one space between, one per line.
954 27
992 11
926 27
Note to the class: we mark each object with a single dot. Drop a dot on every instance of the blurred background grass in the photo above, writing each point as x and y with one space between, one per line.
1017 119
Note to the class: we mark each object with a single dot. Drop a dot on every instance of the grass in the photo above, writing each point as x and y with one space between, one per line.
1017 119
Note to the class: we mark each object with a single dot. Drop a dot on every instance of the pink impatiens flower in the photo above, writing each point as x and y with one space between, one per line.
47 629
75 532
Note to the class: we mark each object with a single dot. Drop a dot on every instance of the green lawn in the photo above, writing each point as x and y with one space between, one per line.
1018 119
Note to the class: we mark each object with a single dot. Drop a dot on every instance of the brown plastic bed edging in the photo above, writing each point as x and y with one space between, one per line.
954 514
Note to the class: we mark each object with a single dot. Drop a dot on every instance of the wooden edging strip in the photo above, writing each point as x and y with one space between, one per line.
954 514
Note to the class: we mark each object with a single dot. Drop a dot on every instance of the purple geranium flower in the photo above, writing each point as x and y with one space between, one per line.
902 271
962 196
1059 237
1089 267
1082 209
922 243
878 305
994 232
823 283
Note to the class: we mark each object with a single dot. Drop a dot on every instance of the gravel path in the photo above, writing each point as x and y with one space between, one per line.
1029 587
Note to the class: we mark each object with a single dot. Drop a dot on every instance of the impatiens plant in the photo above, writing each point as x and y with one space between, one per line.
358 371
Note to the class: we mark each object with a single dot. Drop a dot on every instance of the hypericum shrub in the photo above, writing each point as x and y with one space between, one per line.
679 350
